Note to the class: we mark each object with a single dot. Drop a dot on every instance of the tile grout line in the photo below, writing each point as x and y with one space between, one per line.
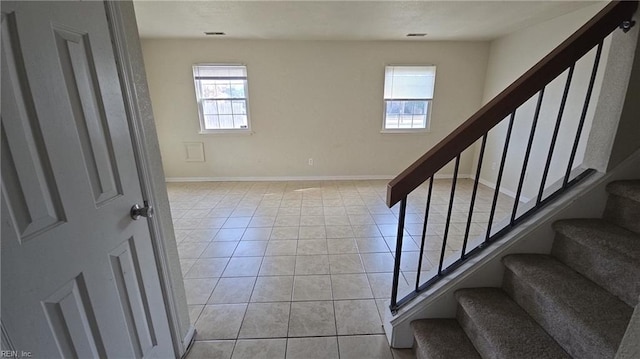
335 316
336 191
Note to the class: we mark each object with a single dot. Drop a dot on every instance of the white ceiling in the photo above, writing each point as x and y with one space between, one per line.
345 20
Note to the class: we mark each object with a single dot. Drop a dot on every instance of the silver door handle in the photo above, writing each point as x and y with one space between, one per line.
137 211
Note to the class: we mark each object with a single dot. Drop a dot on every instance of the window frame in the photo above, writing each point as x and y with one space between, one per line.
429 102
200 100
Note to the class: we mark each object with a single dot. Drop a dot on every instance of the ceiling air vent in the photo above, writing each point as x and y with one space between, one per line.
215 33
416 34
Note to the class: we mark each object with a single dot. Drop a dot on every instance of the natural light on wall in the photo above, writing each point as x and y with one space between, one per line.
221 92
408 97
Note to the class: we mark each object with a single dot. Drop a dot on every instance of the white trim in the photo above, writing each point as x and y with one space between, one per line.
118 32
450 176
405 130
188 340
427 127
503 190
240 131
297 178
278 178
210 131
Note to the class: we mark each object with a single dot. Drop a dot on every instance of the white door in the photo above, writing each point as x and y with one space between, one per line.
79 278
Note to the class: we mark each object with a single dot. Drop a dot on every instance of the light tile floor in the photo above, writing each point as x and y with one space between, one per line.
304 269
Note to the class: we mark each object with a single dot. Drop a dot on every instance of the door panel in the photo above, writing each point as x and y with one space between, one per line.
72 322
30 185
74 52
127 274
79 277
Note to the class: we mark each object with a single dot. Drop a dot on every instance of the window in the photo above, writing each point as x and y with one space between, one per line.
408 94
221 91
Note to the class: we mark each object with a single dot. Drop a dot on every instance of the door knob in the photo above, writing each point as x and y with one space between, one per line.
137 211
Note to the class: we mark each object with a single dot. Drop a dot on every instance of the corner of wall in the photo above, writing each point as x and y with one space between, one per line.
605 140
627 136
510 57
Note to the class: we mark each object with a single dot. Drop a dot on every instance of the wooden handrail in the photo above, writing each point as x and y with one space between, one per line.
527 85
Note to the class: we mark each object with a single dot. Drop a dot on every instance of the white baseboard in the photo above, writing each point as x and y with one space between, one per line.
504 191
278 178
460 176
188 340
295 178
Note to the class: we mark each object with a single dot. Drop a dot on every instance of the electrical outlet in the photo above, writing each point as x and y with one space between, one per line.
310 161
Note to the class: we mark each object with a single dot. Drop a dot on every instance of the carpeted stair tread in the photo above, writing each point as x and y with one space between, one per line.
586 320
602 235
603 252
500 329
628 188
441 339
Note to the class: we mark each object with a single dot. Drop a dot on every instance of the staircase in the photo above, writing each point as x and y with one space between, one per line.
574 303
552 169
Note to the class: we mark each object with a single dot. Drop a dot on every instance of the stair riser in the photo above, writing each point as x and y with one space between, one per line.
576 341
499 329
441 339
623 212
617 274
416 351
478 341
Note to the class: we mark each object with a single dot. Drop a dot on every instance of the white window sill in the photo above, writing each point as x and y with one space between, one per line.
226 132
406 130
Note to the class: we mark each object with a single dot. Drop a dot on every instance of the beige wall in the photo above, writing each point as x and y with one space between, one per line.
617 130
512 55
308 99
